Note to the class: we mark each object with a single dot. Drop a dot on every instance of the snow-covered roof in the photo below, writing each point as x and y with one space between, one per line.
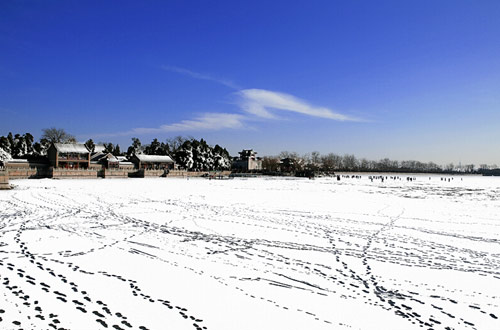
154 159
121 158
17 161
99 148
100 156
76 148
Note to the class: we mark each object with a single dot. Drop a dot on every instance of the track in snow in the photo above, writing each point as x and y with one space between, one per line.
275 254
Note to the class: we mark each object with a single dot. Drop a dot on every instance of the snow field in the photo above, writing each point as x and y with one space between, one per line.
260 253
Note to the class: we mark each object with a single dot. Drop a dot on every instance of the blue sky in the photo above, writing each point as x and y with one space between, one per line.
399 79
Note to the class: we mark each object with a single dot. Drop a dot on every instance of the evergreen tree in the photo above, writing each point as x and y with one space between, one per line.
165 149
90 145
154 148
199 156
4 156
117 151
29 139
135 148
109 147
19 146
5 144
10 138
38 149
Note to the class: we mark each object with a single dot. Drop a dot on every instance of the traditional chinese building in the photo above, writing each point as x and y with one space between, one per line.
153 162
69 156
247 161
109 161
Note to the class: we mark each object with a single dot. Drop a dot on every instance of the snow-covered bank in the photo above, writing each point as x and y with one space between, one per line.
267 253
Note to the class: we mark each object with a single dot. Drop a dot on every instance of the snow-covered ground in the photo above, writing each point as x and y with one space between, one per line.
251 254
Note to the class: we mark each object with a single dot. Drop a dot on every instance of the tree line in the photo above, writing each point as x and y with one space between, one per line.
24 146
188 152
315 162
197 155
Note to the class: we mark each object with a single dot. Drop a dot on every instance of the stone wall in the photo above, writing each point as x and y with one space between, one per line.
154 173
74 174
4 180
116 173
94 166
29 173
183 174
57 173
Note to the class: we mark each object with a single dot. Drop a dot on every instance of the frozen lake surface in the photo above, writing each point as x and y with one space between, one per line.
251 254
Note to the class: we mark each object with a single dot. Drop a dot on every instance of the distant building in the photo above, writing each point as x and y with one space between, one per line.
69 156
103 160
153 162
247 161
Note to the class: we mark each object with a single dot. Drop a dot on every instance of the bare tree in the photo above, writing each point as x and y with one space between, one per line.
469 168
290 161
270 163
385 164
288 154
176 142
57 135
350 162
449 167
364 164
331 162
316 160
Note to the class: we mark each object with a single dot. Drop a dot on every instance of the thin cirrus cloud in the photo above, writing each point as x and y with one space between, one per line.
254 103
201 76
259 102
207 121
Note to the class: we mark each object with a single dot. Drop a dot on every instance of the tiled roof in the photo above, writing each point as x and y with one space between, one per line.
154 159
75 148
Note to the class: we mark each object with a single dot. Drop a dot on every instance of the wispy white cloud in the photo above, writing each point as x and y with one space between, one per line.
260 102
256 103
205 122
201 76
